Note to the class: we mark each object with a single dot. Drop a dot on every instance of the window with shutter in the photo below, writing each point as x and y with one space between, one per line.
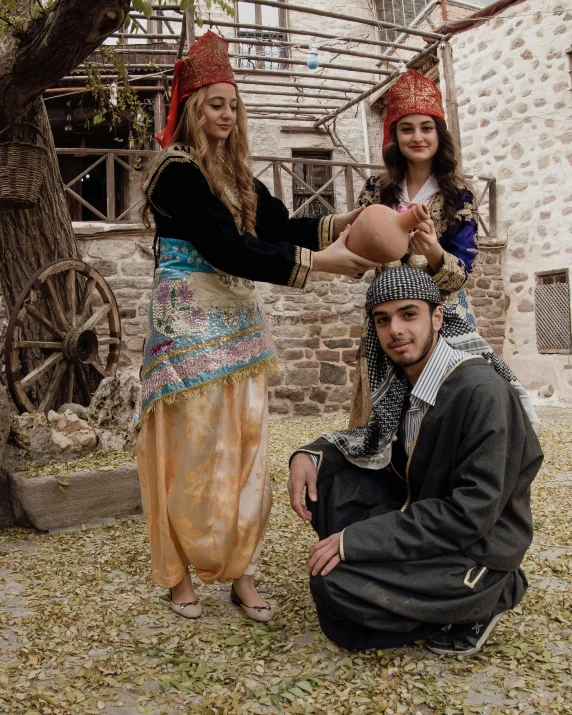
552 309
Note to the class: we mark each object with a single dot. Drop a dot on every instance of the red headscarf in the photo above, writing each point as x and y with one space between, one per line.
413 93
206 63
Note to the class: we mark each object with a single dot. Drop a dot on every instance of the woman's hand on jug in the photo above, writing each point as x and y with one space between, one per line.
342 221
337 259
424 242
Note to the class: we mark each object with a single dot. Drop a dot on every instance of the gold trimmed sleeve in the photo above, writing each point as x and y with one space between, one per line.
302 268
326 231
452 276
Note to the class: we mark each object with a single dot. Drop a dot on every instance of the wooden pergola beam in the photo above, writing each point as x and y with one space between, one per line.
372 90
291 7
256 43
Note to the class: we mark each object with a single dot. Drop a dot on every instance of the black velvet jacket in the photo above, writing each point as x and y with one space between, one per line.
184 207
466 485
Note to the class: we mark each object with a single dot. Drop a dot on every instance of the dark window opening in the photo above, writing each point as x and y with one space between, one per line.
315 176
552 312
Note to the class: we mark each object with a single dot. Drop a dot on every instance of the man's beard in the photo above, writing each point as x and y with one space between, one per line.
404 361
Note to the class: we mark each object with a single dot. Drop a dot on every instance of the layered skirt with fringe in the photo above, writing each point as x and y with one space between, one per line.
203 423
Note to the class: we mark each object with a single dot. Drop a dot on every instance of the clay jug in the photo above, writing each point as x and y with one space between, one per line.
381 234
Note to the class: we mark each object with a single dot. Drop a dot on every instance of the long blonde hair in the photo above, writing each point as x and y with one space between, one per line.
233 160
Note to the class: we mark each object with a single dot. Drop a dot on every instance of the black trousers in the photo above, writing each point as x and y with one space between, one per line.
390 604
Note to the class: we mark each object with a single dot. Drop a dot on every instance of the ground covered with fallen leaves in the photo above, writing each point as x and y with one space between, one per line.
83 630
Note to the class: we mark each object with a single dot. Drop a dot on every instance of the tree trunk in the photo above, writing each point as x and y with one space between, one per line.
51 46
29 238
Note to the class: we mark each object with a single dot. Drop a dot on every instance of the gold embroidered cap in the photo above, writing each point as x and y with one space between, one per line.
207 62
413 93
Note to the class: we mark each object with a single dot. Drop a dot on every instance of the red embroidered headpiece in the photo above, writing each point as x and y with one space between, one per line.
207 62
413 93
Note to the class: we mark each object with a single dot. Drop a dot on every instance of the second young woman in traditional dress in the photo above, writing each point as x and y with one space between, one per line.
421 167
202 444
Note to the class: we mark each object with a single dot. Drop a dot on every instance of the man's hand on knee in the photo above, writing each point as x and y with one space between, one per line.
325 555
302 474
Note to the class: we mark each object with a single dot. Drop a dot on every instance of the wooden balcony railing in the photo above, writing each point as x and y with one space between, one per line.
118 196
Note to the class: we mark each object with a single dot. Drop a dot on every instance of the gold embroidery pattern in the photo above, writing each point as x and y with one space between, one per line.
302 268
325 231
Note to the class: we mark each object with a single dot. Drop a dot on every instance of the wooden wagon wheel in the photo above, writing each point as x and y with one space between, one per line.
47 341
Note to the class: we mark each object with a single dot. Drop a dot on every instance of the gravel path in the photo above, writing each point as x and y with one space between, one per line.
82 629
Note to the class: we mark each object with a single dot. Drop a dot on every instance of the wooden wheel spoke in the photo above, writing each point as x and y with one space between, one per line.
48 325
37 373
97 317
71 382
39 344
99 368
53 388
71 297
108 341
83 383
55 305
85 302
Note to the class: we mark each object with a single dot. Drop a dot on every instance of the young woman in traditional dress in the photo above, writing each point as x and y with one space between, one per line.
202 444
421 167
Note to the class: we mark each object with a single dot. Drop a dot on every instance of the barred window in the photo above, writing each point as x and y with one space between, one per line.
553 325
259 56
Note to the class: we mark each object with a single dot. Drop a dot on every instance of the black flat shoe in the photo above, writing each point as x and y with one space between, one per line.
262 614
463 639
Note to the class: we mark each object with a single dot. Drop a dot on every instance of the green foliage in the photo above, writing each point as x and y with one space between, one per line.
118 101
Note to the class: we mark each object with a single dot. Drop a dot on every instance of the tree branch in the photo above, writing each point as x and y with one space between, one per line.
53 46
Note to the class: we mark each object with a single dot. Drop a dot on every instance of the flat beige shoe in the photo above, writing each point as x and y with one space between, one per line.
193 609
262 614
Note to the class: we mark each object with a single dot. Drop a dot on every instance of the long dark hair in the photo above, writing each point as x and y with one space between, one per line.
444 169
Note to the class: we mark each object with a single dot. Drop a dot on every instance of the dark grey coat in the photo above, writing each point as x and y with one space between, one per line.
438 538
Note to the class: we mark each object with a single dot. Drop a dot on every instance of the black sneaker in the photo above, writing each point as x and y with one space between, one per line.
463 639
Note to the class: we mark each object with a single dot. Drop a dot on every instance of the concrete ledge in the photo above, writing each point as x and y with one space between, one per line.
92 495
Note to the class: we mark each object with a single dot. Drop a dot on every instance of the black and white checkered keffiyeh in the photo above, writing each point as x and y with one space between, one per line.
370 446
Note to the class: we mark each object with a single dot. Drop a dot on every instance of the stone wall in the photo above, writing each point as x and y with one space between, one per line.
515 105
487 296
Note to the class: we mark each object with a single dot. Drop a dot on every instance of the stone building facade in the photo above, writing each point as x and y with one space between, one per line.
515 107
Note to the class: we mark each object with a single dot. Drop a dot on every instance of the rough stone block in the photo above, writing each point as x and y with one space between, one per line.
134 268
275 379
334 331
328 355
525 306
288 393
292 354
302 377
106 268
349 356
89 496
278 407
341 343
306 364
306 409
110 249
340 394
333 374
318 396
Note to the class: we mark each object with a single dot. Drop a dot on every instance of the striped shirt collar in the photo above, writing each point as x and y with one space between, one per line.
442 359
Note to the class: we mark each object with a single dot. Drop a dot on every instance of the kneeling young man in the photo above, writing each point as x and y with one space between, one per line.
429 531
